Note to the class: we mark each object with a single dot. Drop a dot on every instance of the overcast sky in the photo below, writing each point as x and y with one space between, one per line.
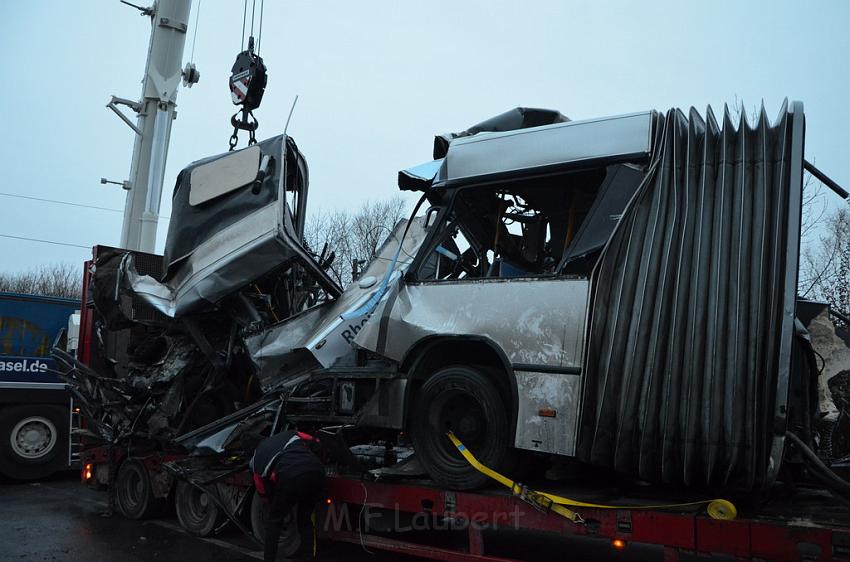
376 81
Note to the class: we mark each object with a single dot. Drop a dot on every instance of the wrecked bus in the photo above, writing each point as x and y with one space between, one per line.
619 291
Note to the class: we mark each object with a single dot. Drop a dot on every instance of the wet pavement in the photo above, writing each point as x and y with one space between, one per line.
60 519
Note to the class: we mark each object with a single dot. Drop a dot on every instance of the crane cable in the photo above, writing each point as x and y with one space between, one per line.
716 508
244 16
260 34
253 11
195 32
244 23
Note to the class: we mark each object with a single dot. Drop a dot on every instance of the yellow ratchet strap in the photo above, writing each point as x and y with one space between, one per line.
716 508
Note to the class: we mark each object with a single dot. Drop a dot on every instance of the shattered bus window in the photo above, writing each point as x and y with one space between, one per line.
530 227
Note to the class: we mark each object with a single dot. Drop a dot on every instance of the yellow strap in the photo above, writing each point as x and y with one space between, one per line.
716 508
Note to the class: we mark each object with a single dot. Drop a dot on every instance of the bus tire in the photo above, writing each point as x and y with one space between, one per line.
462 399
134 491
196 511
33 440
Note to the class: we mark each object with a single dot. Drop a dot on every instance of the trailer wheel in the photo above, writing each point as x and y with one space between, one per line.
33 441
289 538
465 401
196 511
134 492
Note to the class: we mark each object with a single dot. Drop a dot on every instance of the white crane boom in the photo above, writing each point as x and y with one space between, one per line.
155 110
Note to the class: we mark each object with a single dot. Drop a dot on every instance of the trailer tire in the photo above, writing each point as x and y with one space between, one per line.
289 538
134 491
197 513
466 401
33 441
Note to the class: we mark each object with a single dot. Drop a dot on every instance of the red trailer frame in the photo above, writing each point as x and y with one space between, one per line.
86 320
678 533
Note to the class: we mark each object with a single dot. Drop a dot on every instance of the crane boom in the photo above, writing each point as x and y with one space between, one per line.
156 111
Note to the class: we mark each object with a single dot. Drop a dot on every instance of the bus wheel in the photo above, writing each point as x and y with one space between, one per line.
461 399
33 441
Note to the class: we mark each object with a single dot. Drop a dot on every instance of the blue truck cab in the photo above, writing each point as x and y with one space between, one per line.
36 409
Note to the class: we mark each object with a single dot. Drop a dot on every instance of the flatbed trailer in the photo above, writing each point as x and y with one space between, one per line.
809 528
803 525
418 518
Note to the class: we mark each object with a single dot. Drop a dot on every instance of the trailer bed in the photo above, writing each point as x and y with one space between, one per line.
807 526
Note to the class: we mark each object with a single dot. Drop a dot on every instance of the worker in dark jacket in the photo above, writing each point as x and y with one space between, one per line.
288 474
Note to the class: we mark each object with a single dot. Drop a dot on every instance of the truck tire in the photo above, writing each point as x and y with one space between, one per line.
196 511
289 538
134 492
466 401
33 441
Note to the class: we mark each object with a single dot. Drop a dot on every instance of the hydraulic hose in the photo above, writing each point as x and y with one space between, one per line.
823 472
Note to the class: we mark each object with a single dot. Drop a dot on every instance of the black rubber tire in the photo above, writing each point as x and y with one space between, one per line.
197 513
468 402
30 460
134 491
289 538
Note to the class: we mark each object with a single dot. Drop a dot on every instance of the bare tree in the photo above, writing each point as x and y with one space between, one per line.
55 280
353 235
825 266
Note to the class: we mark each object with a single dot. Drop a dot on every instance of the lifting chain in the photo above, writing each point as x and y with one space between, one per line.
247 123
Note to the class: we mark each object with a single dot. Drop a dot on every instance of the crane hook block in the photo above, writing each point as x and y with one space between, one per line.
248 79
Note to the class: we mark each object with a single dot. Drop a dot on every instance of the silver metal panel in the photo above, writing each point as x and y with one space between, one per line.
227 245
537 321
322 330
339 330
789 281
218 266
271 349
495 153
223 175
551 391
235 256
386 407
34 385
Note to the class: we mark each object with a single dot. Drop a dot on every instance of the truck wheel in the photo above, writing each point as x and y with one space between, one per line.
33 441
465 401
196 511
289 539
134 492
